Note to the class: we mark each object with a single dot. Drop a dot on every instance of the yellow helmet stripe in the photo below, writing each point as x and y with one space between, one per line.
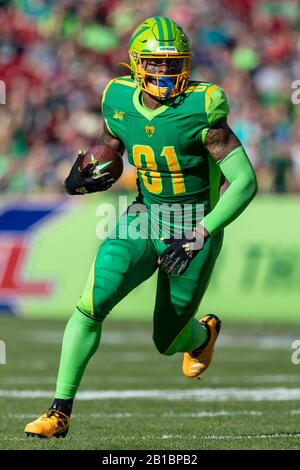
140 31
208 93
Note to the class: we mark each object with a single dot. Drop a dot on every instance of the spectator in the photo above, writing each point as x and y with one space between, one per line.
57 57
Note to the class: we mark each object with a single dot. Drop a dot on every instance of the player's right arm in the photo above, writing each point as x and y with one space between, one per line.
80 181
108 139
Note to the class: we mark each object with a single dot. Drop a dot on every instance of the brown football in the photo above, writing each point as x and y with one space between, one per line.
106 159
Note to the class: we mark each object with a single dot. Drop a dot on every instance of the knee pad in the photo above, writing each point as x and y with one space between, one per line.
106 275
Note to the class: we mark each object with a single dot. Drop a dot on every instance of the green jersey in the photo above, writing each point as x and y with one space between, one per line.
166 145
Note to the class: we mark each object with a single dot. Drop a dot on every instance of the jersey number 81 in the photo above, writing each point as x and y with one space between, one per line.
145 162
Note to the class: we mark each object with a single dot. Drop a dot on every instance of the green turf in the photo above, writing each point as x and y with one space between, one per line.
248 358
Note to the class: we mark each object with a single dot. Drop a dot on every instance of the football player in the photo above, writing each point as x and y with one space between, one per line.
176 134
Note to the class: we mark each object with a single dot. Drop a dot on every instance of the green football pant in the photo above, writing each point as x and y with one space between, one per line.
124 263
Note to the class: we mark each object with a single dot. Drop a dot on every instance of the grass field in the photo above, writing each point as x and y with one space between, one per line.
133 398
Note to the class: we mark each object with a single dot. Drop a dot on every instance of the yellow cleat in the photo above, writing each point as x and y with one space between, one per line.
51 424
196 362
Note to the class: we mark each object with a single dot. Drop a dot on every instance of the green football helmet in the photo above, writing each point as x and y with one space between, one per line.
160 40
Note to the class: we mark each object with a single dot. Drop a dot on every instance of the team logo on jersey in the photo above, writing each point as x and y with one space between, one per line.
149 130
119 115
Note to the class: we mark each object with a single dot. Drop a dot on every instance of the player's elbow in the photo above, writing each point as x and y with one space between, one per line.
248 186
251 186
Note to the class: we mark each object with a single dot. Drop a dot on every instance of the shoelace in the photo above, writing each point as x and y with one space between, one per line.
62 421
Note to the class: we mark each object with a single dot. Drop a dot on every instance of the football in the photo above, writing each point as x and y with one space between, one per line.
105 159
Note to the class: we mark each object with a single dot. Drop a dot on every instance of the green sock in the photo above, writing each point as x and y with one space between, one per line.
198 336
191 337
81 340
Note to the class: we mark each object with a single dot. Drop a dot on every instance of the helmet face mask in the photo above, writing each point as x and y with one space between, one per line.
160 58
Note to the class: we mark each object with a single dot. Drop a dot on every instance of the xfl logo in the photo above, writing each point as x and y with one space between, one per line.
18 225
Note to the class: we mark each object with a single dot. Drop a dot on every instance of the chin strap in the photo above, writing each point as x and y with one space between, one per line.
125 65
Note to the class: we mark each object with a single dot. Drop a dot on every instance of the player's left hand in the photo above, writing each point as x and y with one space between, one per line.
176 258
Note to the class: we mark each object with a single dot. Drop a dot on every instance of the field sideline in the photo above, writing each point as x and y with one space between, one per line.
132 397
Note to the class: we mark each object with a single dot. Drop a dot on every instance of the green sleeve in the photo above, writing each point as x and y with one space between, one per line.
238 170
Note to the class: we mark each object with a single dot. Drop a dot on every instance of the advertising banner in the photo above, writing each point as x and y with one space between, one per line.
47 247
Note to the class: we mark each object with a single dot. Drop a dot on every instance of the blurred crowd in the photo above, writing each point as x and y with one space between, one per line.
57 57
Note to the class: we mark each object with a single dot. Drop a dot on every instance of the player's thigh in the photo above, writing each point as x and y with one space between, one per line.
178 297
120 265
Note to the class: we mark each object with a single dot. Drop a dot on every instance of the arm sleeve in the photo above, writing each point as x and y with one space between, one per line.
238 170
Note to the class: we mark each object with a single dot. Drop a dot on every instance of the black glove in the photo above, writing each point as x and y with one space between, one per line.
86 181
176 258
